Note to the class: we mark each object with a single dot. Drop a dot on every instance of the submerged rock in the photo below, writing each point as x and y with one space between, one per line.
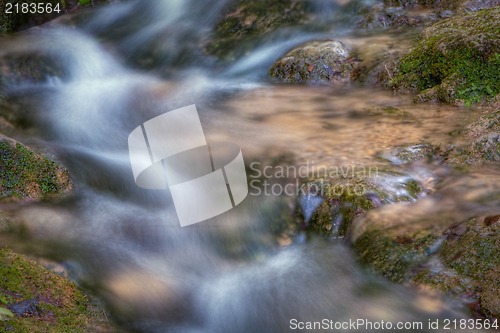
27 68
457 60
481 142
410 153
246 20
383 17
316 62
25 174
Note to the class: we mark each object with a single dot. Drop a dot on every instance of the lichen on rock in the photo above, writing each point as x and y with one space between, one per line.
25 174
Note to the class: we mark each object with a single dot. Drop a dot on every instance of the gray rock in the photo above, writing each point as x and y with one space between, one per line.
26 308
316 62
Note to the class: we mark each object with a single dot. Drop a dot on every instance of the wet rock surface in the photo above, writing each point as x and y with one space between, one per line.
340 200
24 68
316 62
244 21
480 143
383 17
25 308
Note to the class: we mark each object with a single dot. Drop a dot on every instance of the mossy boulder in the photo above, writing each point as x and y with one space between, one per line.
316 62
392 242
470 259
26 175
456 60
244 21
438 242
343 198
33 299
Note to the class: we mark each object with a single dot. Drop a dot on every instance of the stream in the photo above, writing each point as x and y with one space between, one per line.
128 62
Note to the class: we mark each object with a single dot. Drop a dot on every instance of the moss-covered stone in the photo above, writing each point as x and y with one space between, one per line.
393 255
457 60
44 301
316 62
345 198
245 20
470 254
25 174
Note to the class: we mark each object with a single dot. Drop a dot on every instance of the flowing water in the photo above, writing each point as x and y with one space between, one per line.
126 63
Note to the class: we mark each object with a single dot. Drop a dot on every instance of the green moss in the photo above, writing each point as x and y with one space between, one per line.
457 59
476 252
61 306
27 175
393 256
471 265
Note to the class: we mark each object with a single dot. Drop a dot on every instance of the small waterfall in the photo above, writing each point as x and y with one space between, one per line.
131 61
